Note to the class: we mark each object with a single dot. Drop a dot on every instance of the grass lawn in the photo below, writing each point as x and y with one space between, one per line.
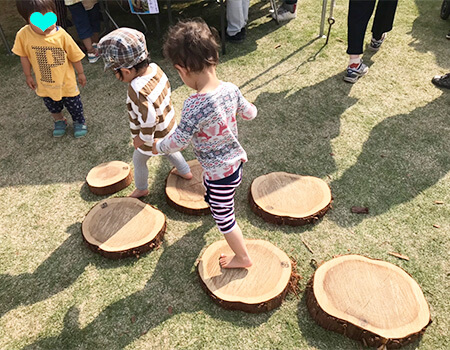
383 143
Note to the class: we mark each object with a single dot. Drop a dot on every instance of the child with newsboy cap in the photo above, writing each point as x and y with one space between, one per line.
149 105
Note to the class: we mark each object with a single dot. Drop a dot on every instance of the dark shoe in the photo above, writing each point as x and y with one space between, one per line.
237 38
448 36
376 44
442 81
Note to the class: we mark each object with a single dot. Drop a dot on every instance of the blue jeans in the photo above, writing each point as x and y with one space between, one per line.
86 22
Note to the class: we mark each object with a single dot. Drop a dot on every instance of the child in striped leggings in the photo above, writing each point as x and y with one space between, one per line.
208 121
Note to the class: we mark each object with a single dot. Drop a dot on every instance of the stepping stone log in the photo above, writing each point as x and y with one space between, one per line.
109 178
121 227
372 301
259 288
289 199
187 196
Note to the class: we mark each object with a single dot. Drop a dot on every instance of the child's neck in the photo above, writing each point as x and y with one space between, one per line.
207 80
145 71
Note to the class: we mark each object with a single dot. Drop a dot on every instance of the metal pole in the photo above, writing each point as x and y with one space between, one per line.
322 21
4 40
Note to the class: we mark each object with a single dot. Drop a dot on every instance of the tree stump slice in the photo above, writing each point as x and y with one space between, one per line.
109 178
259 288
289 199
368 300
121 227
187 196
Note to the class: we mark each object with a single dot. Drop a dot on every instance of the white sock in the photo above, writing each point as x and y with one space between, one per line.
354 61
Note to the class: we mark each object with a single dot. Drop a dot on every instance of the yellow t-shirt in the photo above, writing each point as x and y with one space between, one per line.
51 58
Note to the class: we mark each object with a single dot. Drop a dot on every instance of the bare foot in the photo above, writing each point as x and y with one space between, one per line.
187 176
138 193
233 262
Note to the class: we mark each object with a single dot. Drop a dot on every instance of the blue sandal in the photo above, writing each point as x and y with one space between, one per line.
60 128
80 130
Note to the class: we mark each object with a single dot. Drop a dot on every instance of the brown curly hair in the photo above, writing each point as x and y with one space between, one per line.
192 44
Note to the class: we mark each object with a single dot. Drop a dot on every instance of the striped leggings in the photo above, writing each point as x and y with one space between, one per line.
220 197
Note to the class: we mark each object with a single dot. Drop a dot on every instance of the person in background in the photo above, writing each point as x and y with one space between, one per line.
87 17
359 13
237 17
287 11
442 81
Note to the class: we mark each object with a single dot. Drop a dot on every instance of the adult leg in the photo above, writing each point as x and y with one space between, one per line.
140 174
95 18
384 18
237 15
81 20
359 13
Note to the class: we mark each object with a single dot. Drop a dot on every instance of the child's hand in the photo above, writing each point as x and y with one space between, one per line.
154 150
137 142
82 79
30 82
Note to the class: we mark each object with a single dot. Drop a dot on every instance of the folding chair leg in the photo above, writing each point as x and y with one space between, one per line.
273 5
5 41
222 25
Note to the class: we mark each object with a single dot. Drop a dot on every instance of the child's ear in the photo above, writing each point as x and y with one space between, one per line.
181 70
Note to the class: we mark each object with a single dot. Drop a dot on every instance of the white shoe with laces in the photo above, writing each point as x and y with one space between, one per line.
284 14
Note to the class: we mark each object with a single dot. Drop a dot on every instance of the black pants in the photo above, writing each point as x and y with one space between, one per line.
359 13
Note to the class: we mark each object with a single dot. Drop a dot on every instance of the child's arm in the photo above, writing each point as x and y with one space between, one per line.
246 109
26 66
80 72
138 142
181 137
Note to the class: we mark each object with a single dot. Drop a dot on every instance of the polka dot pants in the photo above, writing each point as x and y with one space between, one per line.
73 105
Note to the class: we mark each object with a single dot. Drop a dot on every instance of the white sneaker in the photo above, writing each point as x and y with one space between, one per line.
284 15
93 57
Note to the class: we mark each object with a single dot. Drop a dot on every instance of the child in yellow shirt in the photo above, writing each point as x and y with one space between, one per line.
53 55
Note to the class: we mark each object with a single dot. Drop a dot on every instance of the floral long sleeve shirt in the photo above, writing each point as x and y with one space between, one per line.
208 121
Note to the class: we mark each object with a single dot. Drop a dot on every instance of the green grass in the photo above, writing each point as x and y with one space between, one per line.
382 143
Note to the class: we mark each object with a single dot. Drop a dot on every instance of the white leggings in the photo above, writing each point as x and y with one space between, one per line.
141 168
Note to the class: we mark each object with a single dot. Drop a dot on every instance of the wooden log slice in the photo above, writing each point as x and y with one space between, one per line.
187 196
289 199
261 287
108 178
369 300
122 227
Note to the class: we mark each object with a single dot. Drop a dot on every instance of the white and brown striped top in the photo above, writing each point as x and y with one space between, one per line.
149 108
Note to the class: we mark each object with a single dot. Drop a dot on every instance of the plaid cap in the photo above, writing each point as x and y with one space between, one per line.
123 48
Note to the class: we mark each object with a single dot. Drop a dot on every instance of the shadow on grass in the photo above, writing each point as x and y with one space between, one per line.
403 156
314 109
429 32
173 289
55 274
